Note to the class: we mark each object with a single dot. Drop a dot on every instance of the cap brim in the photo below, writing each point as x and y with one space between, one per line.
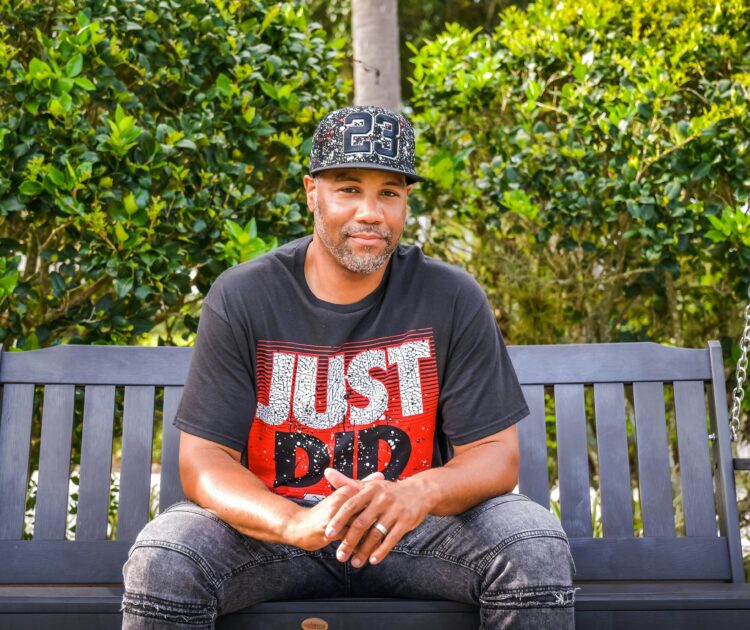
411 178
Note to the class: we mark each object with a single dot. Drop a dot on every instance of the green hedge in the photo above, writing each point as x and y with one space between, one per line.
143 148
590 163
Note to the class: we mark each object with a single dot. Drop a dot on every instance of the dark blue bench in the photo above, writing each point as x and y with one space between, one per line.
670 575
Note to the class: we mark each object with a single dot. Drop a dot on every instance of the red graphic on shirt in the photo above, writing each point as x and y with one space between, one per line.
360 408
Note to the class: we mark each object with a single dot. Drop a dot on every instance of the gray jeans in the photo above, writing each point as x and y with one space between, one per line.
507 555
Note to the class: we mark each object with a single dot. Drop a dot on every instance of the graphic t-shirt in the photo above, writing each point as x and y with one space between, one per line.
386 384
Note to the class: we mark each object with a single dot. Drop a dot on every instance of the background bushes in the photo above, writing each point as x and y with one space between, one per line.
143 149
589 162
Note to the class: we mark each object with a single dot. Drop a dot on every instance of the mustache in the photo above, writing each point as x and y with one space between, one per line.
350 230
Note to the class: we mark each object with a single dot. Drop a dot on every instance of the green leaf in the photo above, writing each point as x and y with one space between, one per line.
672 190
186 144
716 237
717 222
580 71
251 228
84 83
270 17
129 203
3 133
120 233
37 67
8 282
56 108
30 188
224 84
700 171
74 66
268 89
234 229
58 284
56 177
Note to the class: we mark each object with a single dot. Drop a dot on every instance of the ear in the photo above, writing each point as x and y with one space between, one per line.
311 185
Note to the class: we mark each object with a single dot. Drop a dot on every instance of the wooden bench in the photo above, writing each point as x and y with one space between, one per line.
615 403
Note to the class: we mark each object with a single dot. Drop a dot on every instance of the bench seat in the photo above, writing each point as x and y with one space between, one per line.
642 605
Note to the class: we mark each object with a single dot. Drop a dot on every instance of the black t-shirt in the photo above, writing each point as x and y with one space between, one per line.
388 383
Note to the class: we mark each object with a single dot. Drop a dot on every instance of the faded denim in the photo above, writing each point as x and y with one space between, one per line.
507 555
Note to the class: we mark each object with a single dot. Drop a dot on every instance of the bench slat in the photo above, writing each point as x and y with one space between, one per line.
651 558
726 499
695 466
170 486
96 463
533 475
535 365
614 467
572 460
54 463
15 443
135 475
653 464
608 363
98 365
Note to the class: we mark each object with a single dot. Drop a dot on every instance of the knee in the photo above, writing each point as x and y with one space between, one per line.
165 584
165 581
529 546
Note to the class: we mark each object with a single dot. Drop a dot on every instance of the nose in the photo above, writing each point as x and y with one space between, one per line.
370 210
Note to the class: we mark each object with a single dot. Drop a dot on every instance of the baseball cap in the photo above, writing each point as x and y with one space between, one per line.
364 136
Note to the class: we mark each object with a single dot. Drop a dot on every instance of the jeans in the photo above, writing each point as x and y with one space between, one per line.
508 555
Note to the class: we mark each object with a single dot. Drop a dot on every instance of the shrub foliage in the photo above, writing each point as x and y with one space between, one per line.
145 147
589 161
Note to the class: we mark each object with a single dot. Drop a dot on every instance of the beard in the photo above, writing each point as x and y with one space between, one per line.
365 263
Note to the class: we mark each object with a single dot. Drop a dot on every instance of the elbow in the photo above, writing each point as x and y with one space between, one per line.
512 469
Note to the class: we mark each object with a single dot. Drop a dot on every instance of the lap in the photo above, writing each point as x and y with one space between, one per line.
445 557
511 537
188 554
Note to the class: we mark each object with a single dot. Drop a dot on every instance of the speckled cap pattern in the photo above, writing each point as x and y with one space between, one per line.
364 137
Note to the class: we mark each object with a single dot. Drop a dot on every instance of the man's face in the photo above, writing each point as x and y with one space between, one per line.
359 215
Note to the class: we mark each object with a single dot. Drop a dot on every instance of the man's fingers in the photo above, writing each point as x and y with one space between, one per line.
389 542
346 512
360 528
338 479
374 476
371 541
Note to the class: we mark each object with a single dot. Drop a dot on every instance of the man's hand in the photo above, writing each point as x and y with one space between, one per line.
400 507
307 530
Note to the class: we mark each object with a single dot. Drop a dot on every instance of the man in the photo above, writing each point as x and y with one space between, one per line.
348 423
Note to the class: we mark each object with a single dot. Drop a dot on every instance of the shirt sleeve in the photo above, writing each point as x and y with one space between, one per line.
480 394
218 399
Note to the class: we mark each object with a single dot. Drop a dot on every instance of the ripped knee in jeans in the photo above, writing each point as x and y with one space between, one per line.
548 596
192 614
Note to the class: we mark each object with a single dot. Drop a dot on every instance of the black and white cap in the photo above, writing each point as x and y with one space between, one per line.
364 136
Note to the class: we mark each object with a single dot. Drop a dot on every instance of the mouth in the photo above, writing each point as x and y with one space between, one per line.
366 239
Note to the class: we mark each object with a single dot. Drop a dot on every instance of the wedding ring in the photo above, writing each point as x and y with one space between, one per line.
381 528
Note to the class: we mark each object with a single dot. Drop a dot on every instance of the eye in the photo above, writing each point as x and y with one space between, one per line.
349 189
390 193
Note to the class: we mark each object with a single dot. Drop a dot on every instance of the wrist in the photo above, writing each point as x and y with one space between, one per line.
290 533
427 489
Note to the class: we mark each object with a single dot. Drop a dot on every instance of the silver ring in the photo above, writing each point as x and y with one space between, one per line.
381 528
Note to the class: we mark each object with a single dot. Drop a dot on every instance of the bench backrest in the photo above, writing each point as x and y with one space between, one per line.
611 400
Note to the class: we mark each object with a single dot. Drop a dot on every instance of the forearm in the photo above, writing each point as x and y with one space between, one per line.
471 477
224 487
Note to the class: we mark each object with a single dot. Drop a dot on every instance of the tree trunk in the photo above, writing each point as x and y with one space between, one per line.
377 75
